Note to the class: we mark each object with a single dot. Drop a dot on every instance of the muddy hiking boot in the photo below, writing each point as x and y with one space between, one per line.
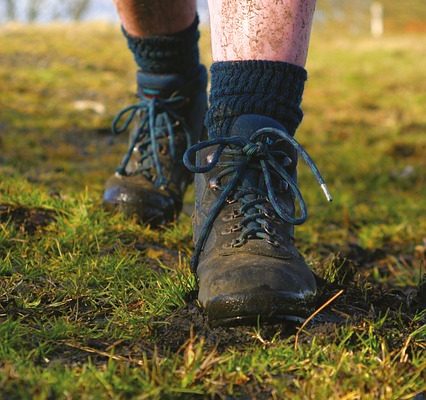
151 180
247 265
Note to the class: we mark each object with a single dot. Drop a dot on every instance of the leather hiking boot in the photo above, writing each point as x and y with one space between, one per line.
247 265
151 179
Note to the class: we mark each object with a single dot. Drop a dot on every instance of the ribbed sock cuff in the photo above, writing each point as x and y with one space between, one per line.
167 54
270 88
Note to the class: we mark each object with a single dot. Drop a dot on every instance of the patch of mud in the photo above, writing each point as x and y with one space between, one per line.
352 256
414 127
353 263
28 220
173 331
360 300
353 307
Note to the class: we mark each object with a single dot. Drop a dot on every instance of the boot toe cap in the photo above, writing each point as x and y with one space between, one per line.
135 196
247 286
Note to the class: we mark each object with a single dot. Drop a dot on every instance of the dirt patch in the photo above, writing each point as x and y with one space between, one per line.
355 306
362 300
28 220
172 332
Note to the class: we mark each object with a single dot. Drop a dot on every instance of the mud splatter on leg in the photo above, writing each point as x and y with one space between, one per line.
274 30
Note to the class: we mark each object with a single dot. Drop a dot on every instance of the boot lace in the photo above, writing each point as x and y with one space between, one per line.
259 152
158 121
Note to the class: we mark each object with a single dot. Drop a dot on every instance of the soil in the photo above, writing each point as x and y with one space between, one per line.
28 220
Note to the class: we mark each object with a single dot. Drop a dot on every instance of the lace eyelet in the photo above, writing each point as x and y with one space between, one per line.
236 228
273 242
287 161
269 215
162 149
233 215
269 229
213 184
226 232
209 158
237 213
237 243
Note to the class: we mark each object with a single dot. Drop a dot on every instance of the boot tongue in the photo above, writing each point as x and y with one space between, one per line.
246 125
158 85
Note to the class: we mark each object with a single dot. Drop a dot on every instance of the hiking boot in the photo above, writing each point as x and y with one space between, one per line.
151 179
247 265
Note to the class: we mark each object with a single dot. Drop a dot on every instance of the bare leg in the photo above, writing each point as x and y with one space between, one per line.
142 18
272 30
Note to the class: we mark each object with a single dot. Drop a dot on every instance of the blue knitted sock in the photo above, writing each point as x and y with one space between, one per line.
270 88
167 54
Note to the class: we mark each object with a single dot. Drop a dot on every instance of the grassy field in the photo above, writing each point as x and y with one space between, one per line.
94 306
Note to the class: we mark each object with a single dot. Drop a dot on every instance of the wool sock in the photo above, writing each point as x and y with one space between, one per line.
167 54
270 88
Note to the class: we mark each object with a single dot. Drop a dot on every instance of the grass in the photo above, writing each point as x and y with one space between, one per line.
94 306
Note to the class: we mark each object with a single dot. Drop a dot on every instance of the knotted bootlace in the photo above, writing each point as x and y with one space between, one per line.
260 153
158 121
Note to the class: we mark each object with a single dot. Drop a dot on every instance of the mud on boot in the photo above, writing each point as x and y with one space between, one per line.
151 179
247 265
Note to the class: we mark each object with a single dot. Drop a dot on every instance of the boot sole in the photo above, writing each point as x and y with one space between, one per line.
260 307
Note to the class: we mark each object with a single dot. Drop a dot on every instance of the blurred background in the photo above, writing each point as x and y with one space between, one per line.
354 16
